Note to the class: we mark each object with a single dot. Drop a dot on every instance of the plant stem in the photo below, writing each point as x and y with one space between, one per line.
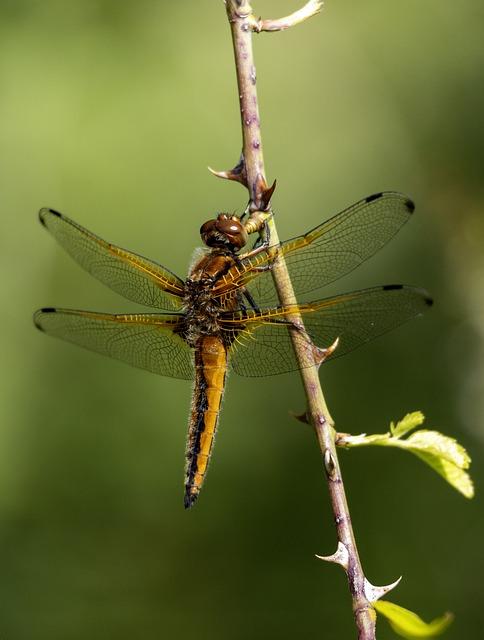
251 168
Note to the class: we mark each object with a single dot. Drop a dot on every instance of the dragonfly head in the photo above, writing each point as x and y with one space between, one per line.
225 231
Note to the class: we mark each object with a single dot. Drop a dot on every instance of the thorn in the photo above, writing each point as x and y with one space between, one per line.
373 593
320 354
257 191
267 195
302 417
310 9
341 556
238 173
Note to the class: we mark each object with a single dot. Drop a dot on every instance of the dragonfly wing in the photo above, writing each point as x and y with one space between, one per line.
328 251
147 341
261 342
127 273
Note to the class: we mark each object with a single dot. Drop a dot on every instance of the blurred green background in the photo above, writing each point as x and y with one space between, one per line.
110 111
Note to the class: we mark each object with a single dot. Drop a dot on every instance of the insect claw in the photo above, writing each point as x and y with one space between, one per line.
373 593
340 557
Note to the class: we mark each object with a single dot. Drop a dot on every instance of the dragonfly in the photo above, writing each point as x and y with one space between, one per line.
226 314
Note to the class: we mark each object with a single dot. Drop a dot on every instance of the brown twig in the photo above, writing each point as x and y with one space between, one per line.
250 172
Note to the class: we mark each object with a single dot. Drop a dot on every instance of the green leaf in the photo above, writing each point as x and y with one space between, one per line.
408 624
444 454
455 476
408 423
441 446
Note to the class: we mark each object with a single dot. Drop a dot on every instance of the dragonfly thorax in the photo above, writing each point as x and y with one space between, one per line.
202 307
201 310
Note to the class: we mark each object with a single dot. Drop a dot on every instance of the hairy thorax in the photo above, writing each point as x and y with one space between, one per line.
202 310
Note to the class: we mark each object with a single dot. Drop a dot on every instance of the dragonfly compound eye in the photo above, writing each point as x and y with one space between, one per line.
224 231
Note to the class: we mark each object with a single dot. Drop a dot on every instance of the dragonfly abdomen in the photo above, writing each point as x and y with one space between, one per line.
210 372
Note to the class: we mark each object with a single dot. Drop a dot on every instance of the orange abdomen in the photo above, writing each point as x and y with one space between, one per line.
210 371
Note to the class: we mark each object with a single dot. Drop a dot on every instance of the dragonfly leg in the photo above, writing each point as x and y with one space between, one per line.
240 301
247 295
294 325
260 244
266 267
287 323
253 252
256 250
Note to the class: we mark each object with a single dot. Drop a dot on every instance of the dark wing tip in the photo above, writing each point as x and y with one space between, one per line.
410 204
38 314
421 292
390 287
43 213
374 196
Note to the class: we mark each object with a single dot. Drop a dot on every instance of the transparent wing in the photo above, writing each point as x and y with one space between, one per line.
327 252
127 273
147 341
261 343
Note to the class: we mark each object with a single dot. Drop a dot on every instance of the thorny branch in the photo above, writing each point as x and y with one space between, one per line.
250 172
310 9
